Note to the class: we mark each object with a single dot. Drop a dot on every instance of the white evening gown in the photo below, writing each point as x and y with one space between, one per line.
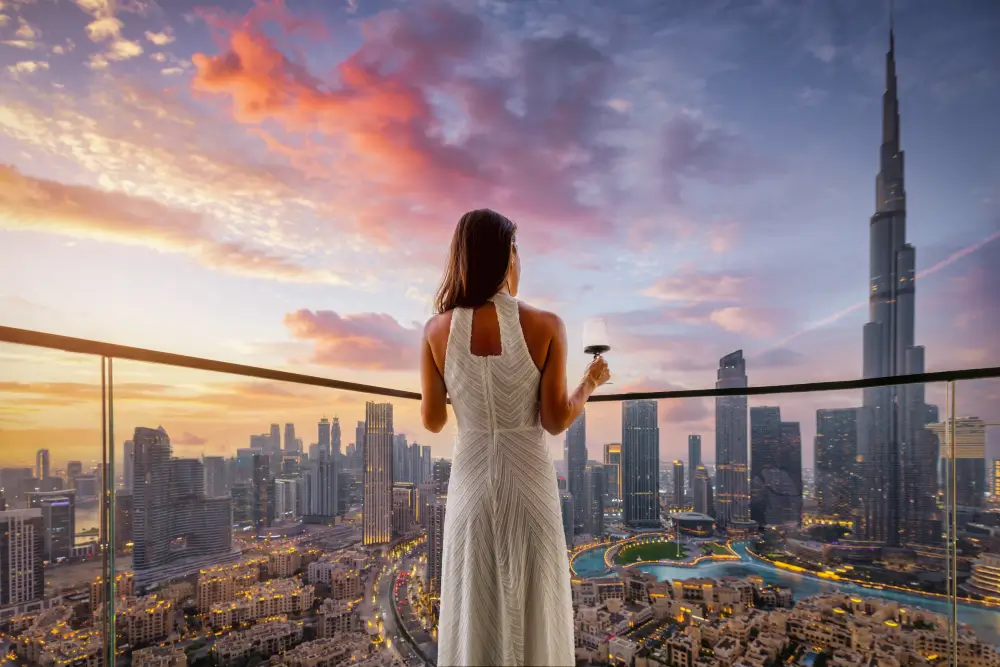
505 584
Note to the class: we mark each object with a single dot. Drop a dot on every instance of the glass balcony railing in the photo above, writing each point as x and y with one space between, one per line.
805 528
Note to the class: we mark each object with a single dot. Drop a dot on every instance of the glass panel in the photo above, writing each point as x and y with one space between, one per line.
51 548
246 501
970 467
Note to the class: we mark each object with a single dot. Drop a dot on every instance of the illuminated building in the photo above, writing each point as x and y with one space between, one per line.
694 456
732 500
377 506
836 451
640 464
970 457
59 519
701 490
435 545
678 495
613 468
576 462
22 546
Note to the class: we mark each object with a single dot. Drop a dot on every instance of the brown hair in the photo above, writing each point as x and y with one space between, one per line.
478 262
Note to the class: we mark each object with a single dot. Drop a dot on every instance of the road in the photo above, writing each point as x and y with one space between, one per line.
400 646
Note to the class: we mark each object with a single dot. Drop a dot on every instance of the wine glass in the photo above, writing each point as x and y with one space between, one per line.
595 337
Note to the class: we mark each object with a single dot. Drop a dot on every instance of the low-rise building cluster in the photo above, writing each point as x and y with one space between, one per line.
48 639
270 599
264 639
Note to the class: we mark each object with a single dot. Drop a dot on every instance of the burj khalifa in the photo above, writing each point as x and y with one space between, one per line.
896 501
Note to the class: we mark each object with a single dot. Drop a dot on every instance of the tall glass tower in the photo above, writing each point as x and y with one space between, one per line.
732 486
576 463
640 459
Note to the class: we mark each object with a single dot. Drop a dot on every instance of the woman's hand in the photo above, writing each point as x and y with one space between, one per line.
597 373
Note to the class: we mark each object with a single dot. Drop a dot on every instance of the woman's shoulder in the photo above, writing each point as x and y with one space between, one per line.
537 317
438 323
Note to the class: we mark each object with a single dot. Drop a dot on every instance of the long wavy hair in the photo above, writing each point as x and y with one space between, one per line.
478 262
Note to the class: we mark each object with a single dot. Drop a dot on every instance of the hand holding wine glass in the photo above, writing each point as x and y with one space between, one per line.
597 343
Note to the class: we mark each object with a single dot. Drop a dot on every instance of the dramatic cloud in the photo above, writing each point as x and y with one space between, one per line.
419 124
752 322
364 341
47 206
692 287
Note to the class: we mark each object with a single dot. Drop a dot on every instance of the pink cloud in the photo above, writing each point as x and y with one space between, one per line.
752 322
371 341
693 287
414 133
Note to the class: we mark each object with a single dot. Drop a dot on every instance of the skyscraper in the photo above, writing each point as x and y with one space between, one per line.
595 490
73 470
836 450
378 439
58 521
128 465
425 464
790 465
22 547
701 490
441 476
678 496
414 463
359 444
262 515
613 469
291 442
435 545
323 440
576 462
640 458
694 456
566 505
732 499
897 414
274 446
335 445
765 434
42 464
970 458
400 458
215 476
321 484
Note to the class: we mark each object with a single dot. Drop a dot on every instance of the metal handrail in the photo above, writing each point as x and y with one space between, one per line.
111 350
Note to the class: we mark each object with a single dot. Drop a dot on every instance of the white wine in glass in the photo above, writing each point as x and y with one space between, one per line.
595 337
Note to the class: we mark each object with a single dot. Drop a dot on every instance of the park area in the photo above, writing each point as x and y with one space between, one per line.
650 551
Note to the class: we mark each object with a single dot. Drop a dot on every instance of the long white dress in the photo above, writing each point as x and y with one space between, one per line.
505 584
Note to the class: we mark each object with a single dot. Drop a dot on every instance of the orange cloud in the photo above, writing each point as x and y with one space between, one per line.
412 137
47 206
370 341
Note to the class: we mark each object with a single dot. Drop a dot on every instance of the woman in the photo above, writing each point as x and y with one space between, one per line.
505 589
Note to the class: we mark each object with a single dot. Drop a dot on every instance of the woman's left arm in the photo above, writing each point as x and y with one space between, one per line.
434 394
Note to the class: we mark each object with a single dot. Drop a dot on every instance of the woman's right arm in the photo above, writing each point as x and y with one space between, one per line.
558 407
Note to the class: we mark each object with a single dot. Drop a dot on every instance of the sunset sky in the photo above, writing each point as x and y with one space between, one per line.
275 184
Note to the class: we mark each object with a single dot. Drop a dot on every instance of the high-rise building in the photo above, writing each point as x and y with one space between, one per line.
441 476
765 434
321 483
42 464
613 469
12 481
566 505
359 443
73 470
435 545
678 495
124 519
174 523
970 457
215 476
291 442
732 499
576 462
323 442
404 507
790 465
640 458
58 522
994 480
22 547
694 456
262 514
425 464
128 465
893 505
400 458
701 490
836 451
335 439
242 494
595 491
414 463
378 439
274 445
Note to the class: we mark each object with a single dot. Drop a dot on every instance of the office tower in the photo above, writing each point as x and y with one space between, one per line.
414 463
87 488
174 523
441 476
640 458
285 499
42 464
790 465
12 480
613 470
425 464
291 442
58 522
595 480
435 545
400 458
274 445
694 456
323 443
335 439
242 494
73 470
359 443
128 465
215 476
568 512
404 507
124 519
678 495
378 439
710 492
836 451
3 501
765 434
700 490
261 492
22 545
322 480
732 491
970 457
893 504
576 462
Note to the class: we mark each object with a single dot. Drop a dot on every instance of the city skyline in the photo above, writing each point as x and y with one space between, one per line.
711 288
